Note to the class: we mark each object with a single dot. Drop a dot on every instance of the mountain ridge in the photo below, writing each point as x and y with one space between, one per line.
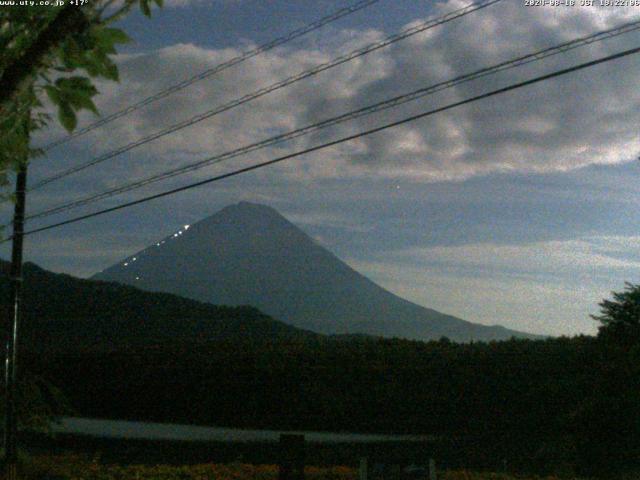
62 313
249 254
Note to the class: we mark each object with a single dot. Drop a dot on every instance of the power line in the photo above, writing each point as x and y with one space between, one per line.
368 110
412 118
421 27
343 12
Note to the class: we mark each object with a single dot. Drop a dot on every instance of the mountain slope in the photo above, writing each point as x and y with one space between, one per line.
63 312
249 254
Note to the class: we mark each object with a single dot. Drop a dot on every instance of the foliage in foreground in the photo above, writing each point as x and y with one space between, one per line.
77 467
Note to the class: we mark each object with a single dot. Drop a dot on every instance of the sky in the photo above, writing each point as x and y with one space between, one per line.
519 210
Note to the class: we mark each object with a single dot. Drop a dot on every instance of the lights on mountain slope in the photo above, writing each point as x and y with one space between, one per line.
158 244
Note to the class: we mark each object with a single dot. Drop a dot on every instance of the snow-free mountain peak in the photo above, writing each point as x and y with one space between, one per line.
249 254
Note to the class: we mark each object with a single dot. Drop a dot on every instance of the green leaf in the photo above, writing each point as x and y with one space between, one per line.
70 53
144 6
54 94
78 101
111 72
77 92
104 67
106 38
85 102
114 35
67 117
92 66
77 84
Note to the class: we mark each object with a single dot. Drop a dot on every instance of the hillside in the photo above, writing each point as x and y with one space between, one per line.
63 312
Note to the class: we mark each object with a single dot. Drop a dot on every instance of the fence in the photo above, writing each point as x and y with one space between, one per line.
293 455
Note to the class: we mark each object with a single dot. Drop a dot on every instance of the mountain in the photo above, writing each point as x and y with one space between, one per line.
62 312
249 254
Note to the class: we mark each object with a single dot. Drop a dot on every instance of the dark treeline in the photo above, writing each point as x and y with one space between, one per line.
564 404
542 405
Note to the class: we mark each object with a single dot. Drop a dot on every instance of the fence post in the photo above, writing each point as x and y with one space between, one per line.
432 469
363 469
291 457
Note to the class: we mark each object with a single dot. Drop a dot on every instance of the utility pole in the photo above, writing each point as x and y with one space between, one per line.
11 424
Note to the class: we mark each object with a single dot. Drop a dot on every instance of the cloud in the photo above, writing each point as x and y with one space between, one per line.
546 287
586 257
328 220
559 125
518 303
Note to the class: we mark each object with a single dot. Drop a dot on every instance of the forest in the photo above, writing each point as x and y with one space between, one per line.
541 405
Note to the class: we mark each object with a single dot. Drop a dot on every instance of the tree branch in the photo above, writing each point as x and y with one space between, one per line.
70 21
